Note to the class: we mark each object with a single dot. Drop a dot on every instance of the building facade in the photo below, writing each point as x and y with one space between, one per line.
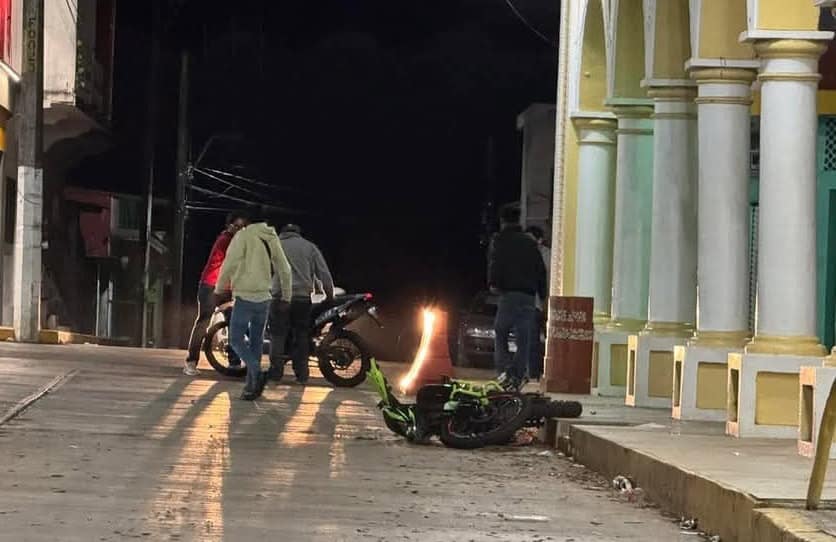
694 161
78 81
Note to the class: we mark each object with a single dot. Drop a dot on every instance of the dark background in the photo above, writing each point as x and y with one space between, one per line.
387 125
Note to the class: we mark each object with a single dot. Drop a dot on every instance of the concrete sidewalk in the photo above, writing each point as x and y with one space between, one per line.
741 489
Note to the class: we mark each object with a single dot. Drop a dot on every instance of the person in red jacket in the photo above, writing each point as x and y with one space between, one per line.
206 299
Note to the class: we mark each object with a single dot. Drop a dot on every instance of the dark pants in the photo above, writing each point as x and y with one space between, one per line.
535 363
205 307
294 324
516 312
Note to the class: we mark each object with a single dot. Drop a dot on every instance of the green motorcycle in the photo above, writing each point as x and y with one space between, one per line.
465 415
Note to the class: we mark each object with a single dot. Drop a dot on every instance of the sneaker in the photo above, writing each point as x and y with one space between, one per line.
190 369
247 395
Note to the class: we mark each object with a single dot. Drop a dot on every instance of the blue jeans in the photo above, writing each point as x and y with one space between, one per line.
248 320
516 312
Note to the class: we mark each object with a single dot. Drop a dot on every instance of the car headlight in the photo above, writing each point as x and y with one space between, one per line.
480 333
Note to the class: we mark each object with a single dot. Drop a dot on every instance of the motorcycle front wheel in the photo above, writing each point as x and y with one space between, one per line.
495 423
344 359
217 349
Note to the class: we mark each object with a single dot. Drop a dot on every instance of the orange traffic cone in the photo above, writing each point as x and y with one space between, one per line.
432 361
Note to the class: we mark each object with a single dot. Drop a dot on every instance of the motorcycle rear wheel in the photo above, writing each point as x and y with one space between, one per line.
469 434
216 347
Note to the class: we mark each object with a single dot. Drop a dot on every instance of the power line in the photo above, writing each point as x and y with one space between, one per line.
531 27
229 184
254 181
214 194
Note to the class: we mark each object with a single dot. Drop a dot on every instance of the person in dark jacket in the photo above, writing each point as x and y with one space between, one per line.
309 270
517 273
206 299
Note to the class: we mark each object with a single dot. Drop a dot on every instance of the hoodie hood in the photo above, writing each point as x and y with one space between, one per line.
262 230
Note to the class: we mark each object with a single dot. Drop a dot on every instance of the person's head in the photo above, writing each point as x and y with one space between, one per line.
509 216
537 233
237 220
292 228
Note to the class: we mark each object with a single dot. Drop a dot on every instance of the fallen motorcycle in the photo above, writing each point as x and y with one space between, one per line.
466 415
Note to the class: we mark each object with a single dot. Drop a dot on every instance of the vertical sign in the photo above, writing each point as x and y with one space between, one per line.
568 365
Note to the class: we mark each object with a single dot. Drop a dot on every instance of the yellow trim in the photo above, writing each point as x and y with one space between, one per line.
721 23
600 318
632 111
668 329
675 116
723 75
787 346
672 94
570 208
803 77
592 82
787 15
790 48
730 339
626 325
724 100
830 361
582 123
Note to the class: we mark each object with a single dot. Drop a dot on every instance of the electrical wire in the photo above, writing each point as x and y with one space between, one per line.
228 184
254 181
531 27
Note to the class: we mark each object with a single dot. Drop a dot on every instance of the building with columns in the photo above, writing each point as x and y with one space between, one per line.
695 170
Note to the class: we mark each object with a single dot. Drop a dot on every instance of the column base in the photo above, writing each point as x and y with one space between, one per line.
815 385
609 363
700 382
650 369
764 394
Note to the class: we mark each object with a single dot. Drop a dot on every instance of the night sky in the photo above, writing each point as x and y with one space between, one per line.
385 125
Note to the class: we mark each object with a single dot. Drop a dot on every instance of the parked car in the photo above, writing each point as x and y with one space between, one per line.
474 336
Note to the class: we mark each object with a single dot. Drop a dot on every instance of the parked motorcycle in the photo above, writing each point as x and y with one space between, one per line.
342 356
466 415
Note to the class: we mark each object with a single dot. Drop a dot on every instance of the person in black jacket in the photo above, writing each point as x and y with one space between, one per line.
517 273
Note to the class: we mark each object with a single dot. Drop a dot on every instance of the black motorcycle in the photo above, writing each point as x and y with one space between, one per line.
342 355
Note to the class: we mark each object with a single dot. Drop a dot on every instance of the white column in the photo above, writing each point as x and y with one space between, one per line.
633 196
673 251
723 227
786 318
27 254
596 178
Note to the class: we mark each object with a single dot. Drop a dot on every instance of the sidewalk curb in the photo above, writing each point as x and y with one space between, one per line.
720 510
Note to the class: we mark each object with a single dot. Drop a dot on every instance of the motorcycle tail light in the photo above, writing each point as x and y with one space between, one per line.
368 297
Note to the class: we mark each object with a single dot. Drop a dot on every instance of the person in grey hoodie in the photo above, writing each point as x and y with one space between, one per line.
309 269
254 263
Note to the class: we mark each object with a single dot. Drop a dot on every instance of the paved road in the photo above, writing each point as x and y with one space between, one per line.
128 448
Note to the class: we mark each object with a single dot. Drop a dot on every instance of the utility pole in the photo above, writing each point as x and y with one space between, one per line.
28 220
150 159
183 176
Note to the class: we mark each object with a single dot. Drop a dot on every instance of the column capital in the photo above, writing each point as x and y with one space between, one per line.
595 130
790 48
707 76
672 94
644 111
592 123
